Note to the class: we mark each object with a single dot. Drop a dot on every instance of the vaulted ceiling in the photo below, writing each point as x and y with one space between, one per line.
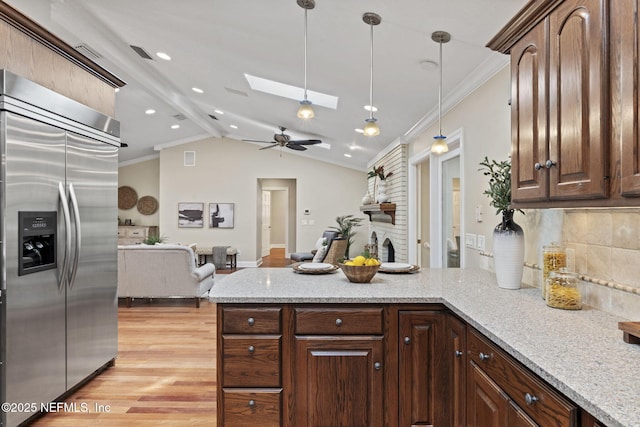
214 44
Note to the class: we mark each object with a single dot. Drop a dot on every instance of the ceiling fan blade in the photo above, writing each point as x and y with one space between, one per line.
255 140
271 146
296 147
306 142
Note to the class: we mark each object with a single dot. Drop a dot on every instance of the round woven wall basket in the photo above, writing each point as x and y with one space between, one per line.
127 197
147 205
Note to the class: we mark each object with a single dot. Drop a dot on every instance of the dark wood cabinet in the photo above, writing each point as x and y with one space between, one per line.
457 357
339 381
486 402
422 368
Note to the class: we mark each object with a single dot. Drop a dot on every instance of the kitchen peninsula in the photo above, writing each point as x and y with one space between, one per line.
279 331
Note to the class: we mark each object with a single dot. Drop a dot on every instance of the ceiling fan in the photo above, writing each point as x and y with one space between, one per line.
283 140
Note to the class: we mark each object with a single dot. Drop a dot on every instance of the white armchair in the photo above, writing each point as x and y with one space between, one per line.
162 271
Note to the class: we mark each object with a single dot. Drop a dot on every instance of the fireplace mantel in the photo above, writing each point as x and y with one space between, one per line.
388 209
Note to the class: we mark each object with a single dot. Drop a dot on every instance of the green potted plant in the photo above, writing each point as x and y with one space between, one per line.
154 239
508 237
346 225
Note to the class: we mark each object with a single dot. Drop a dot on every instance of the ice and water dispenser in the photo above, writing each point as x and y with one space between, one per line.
37 235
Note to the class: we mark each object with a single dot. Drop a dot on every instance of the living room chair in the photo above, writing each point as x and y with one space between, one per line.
327 235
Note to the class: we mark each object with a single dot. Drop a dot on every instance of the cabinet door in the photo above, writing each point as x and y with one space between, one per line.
458 376
487 405
625 65
338 381
423 371
516 417
578 113
529 116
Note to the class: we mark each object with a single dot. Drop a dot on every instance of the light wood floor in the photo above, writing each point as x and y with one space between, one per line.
165 373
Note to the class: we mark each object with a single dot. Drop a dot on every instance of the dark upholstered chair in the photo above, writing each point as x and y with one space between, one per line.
329 235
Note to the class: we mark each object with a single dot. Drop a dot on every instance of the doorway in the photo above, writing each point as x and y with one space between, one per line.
436 206
276 217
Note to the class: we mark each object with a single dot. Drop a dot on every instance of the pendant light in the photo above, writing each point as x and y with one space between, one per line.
371 128
305 111
440 145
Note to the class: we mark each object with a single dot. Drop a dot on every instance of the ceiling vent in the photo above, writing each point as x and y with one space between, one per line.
141 52
180 117
88 51
236 91
213 117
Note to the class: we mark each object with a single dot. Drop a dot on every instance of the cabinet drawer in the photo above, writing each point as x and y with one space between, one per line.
252 407
137 231
264 320
338 321
548 408
251 360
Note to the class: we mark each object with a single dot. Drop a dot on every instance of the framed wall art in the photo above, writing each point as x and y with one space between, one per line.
221 215
190 215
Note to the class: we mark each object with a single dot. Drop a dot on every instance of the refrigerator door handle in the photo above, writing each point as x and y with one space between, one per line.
67 234
77 224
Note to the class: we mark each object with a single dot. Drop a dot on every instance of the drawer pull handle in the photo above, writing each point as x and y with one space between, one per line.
407 340
252 349
338 322
458 353
252 404
530 399
251 321
549 164
377 366
483 356
537 166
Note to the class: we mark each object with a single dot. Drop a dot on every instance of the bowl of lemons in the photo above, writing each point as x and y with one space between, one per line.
361 269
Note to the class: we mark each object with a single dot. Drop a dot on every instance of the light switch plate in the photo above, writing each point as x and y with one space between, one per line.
480 242
470 240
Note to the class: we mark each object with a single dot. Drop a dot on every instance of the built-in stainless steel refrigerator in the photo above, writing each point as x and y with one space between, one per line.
58 221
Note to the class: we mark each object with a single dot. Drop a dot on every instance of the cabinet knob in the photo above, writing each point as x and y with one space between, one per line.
252 404
407 340
549 164
377 366
458 353
338 322
251 349
537 166
483 356
530 399
251 321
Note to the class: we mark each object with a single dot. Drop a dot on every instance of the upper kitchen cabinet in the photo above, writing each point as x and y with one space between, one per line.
574 109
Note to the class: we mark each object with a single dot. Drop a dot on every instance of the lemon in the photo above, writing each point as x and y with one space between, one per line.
371 262
359 260
349 263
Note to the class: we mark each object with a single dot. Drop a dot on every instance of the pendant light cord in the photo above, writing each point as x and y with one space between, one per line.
305 54
440 94
371 77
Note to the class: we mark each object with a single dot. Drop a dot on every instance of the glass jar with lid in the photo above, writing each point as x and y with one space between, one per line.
554 257
563 291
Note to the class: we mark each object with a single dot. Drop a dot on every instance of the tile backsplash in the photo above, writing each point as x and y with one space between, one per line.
603 246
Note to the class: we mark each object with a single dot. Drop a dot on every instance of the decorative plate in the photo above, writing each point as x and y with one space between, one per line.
147 205
127 197
314 270
397 268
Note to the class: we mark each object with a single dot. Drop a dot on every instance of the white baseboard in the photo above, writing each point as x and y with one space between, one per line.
278 246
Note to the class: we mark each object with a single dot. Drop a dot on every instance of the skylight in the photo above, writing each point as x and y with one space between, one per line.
291 92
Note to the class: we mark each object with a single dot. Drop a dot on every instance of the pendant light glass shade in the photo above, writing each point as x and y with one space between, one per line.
371 128
305 111
439 145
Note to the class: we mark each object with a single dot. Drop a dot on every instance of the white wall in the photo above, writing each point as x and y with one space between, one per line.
278 218
228 171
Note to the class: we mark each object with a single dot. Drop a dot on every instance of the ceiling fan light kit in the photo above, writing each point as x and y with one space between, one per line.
305 111
371 128
440 144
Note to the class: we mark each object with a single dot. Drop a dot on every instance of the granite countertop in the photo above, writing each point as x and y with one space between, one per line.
581 353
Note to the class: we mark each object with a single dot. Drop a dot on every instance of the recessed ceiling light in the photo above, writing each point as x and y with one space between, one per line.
197 90
219 112
353 147
359 130
347 155
163 55
175 126
150 111
370 108
117 89
233 126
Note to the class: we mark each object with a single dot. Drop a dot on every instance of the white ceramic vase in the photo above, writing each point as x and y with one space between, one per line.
508 252
367 199
382 192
